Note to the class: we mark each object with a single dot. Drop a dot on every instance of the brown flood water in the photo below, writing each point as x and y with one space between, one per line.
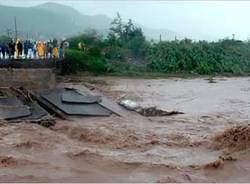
178 148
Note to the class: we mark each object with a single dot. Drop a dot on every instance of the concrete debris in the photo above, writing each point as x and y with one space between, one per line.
37 112
73 96
108 103
14 105
63 102
14 112
10 101
129 104
54 97
153 111
146 111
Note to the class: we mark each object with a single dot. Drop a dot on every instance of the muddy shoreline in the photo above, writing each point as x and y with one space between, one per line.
189 147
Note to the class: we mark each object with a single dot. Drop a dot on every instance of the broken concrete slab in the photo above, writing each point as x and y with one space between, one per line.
48 106
106 102
113 106
73 96
14 105
14 112
12 108
37 112
10 101
54 98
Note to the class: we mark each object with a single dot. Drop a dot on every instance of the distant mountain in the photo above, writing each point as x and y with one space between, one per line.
55 20
49 20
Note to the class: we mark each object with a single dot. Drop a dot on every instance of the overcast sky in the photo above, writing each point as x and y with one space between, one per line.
200 19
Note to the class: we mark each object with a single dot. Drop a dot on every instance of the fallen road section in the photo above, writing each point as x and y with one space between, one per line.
19 104
13 108
14 112
70 102
74 97
55 97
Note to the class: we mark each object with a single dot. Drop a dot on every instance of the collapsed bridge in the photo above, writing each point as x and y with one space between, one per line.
28 92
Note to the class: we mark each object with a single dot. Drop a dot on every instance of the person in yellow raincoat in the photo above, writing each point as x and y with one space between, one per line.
55 52
55 48
40 50
18 48
43 50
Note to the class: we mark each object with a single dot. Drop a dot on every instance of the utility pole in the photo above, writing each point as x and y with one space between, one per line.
233 36
15 27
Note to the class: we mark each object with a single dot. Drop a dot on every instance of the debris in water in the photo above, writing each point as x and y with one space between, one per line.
153 111
146 111
235 139
7 161
129 104
216 164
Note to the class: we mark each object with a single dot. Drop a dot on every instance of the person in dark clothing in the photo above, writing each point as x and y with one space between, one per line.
47 49
11 49
50 48
7 50
4 50
26 48
19 48
34 49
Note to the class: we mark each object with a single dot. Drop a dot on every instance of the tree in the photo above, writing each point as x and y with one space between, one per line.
126 37
116 29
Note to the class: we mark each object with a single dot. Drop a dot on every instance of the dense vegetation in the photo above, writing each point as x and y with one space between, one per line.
125 50
225 56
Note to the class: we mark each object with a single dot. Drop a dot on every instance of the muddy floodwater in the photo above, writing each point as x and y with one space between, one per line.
208 143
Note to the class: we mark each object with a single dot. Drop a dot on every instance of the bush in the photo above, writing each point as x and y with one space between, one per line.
97 65
76 61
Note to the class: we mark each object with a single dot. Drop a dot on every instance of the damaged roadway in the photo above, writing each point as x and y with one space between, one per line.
17 104
208 143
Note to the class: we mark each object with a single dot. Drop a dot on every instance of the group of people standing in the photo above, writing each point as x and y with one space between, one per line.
29 49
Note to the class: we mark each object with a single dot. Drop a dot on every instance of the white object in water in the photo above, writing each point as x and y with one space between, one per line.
129 104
